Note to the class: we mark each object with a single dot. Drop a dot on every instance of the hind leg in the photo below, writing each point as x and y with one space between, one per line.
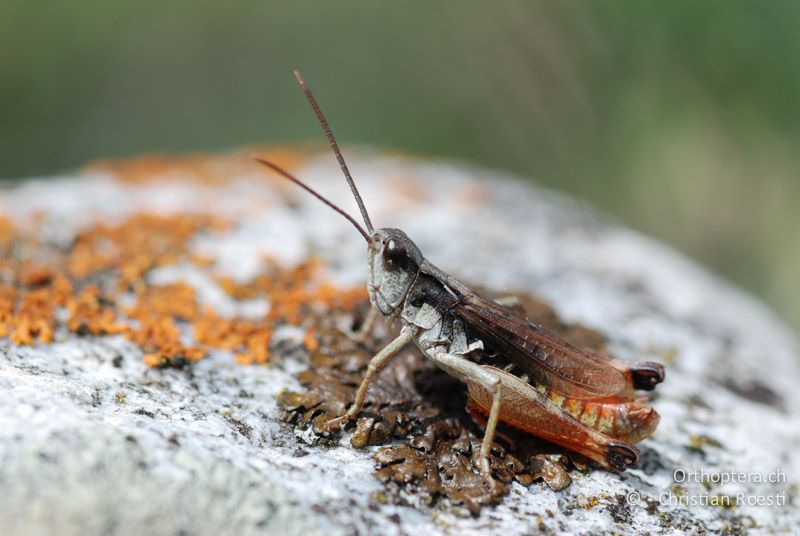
529 410
466 370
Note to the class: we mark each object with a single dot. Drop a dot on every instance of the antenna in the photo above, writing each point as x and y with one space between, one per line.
278 169
335 147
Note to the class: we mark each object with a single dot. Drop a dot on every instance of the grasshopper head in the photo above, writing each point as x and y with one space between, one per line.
394 262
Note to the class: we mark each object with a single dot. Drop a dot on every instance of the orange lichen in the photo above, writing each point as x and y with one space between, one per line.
291 292
89 315
33 275
212 170
257 349
472 196
176 300
33 318
407 191
7 232
101 283
227 334
200 260
335 298
8 300
310 340
138 244
61 290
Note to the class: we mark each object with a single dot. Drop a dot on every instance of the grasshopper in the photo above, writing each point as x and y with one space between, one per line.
515 372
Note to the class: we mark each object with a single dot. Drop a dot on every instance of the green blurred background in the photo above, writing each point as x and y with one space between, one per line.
680 118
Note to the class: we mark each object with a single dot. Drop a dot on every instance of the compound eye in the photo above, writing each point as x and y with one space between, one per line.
394 253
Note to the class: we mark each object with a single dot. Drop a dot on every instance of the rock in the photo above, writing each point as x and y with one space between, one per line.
94 440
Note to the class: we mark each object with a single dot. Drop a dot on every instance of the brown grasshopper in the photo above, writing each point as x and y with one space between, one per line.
515 371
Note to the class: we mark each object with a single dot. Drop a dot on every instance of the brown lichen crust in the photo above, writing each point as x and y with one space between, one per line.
420 414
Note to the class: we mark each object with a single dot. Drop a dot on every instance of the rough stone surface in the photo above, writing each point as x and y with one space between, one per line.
201 450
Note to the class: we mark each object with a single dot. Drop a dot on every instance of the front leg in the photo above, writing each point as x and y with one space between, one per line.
365 329
375 365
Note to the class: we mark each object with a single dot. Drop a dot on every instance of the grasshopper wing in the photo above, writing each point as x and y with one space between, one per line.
547 358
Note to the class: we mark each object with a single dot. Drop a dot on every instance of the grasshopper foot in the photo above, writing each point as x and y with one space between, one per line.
492 486
333 425
489 481
621 455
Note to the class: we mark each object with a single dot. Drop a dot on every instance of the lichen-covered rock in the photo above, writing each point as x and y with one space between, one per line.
92 439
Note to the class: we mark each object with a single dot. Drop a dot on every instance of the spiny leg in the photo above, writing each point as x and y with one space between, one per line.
375 366
491 428
468 371
527 409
